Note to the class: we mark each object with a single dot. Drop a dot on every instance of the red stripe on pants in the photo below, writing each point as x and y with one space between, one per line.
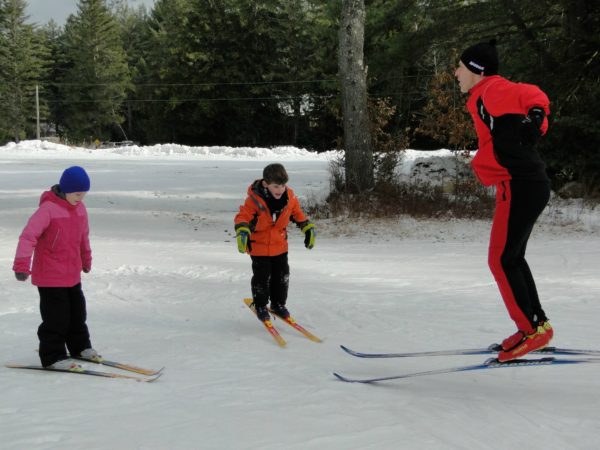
497 246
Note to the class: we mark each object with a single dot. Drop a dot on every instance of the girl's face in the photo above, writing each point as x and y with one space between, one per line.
466 78
276 190
75 197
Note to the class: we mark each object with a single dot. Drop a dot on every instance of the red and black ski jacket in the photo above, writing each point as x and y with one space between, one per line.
498 107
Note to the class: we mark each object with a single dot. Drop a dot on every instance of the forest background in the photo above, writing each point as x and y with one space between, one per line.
265 73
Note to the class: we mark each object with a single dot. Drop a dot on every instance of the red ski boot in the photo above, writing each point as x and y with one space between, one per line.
540 338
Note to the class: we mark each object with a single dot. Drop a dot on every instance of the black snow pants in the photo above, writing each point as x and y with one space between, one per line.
270 279
63 323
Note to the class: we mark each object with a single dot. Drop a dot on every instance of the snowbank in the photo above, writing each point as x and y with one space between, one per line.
39 148
437 167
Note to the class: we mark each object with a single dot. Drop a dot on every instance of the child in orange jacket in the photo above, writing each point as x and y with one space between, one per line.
261 231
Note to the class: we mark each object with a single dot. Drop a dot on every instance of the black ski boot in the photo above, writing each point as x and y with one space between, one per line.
280 310
262 313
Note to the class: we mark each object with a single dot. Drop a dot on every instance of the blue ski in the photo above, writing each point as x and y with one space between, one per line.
491 363
494 348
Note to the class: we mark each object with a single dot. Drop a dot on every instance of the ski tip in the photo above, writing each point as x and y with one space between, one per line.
159 371
280 342
153 378
347 350
349 380
340 377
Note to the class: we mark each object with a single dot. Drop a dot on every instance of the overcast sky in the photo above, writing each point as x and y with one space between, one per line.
41 11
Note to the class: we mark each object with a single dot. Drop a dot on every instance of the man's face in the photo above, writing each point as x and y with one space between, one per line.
466 78
275 189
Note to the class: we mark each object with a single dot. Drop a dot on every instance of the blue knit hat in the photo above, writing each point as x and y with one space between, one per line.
74 179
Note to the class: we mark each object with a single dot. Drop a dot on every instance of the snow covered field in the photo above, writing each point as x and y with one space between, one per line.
166 290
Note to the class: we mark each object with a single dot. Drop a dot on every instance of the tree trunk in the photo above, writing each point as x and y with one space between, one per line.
353 78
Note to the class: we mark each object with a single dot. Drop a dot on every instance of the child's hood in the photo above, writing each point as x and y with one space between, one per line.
258 190
54 196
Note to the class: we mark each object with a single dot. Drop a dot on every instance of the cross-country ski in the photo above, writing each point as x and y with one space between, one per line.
491 363
267 324
492 349
94 373
122 366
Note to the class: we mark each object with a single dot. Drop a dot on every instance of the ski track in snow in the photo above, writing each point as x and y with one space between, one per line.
166 289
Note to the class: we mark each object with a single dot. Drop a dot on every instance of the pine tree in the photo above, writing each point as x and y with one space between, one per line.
53 37
235 72
133 22
23 62
96 76
162 70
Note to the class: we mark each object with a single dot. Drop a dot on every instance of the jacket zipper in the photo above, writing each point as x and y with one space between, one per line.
55 239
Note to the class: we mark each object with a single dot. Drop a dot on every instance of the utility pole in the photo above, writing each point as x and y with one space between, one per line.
37 111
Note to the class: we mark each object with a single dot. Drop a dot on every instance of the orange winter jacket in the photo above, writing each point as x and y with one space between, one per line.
268 236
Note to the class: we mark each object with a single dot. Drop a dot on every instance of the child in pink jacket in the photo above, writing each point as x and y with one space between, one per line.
57 237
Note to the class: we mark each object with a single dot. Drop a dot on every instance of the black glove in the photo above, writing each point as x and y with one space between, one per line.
531 126
21 276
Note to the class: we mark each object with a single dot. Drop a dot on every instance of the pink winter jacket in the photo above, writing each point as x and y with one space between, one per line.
57 235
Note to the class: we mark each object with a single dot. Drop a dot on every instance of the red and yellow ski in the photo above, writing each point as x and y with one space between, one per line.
292 323
87 372
268 325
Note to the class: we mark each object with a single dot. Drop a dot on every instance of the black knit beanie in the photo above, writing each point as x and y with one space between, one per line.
481 58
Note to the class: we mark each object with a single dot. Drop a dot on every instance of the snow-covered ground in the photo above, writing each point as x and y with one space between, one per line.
166 290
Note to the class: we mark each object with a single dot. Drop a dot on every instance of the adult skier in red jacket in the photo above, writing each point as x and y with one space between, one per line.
509 119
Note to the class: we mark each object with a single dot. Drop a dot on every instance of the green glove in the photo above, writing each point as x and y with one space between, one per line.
310 235
242 236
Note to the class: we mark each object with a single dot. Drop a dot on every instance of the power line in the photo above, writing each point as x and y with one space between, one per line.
183 100
240 83
309 97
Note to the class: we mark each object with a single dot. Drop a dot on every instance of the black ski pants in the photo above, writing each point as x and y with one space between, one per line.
270 279
63 323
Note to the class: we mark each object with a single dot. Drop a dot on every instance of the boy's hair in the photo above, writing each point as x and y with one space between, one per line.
275 173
